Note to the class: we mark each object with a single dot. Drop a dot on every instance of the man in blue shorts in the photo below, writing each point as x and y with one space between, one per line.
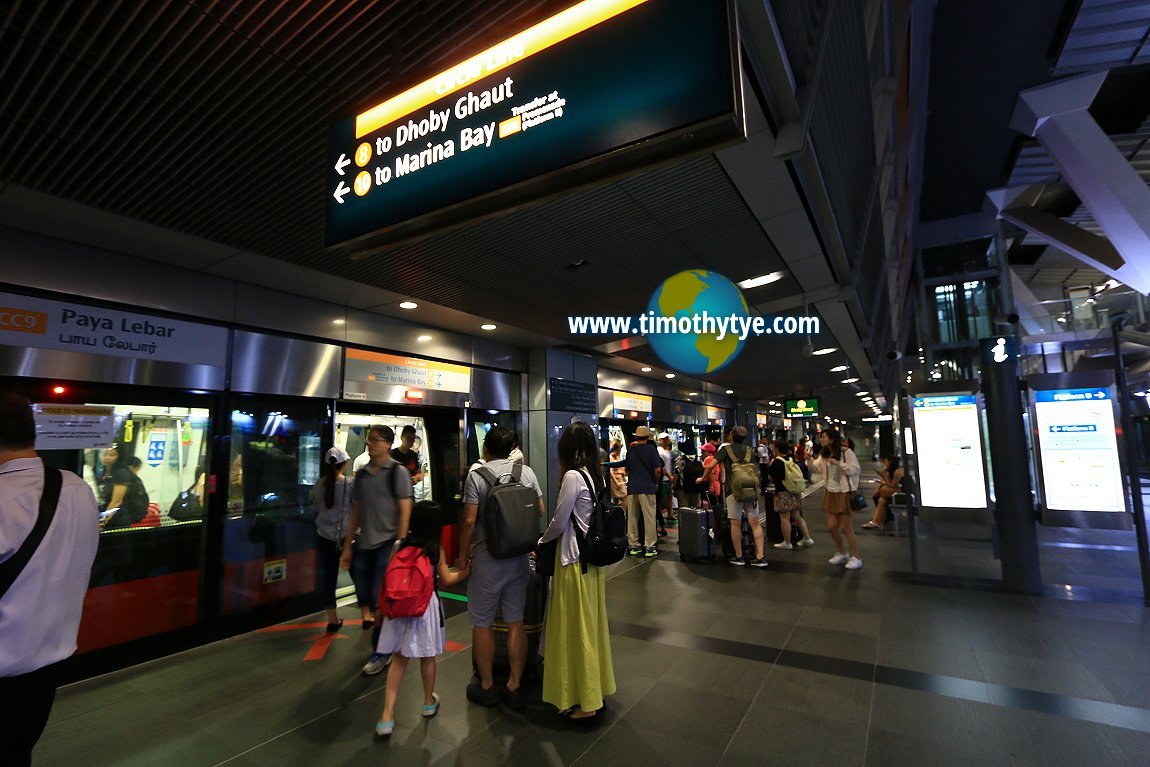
495 583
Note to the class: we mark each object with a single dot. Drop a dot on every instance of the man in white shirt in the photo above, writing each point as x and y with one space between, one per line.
40 609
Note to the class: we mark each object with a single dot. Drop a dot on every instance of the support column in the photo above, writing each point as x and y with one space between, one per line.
544 423
1014 505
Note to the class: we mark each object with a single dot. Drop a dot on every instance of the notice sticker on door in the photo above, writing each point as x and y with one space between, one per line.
74 427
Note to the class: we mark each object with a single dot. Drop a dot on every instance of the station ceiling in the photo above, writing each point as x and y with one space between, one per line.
211 119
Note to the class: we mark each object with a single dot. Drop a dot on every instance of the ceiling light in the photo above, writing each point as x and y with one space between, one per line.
839 368
765 279
693 394
826 350
339 322
730 391
423 338
849 380
487 326
646 370
408 305
670 375
860 394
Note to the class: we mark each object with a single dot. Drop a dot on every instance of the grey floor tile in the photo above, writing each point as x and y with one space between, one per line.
833 644
897 749
1032 673
776 736
751 631
852 621
629 746
950 660
710 719
1134 745
719 674
808 692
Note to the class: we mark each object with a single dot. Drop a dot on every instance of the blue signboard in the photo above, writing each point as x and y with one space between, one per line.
949 400
1072 395
604 87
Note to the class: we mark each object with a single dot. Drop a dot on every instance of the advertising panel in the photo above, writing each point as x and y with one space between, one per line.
950 465
603 87
1079 450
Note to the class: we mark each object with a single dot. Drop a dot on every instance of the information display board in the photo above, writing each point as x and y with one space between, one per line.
640 403
950 466
1079 450
602 88
802 408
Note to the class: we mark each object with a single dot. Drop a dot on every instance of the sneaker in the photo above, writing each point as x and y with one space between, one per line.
649 553
871 526
663 533
761 562
476 694
634 552
785 545
376 663
513 699
854 563
838 558
737 561
806 543
429 711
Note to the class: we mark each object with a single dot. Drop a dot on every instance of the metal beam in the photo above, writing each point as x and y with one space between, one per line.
1108 185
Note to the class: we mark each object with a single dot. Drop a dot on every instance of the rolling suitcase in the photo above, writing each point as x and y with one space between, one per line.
748 539
696 534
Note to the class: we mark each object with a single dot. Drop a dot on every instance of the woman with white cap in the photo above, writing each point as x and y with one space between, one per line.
331 498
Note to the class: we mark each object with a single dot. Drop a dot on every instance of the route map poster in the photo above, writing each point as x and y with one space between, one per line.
950 466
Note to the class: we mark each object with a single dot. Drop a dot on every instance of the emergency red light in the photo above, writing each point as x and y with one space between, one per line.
58 390
413 395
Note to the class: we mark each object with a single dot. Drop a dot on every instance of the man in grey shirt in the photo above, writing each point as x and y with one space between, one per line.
381 511
495 583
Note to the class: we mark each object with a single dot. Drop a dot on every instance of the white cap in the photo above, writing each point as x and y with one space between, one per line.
664 435
336 455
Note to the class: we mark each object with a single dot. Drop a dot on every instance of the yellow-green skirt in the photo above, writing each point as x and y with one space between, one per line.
577 669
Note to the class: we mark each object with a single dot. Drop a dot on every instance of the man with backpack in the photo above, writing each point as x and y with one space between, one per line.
742 489
501 498
689 470
381 512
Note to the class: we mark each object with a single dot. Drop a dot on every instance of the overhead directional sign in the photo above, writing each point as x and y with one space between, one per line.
602 88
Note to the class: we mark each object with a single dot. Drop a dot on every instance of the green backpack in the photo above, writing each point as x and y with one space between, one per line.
793 480
744 481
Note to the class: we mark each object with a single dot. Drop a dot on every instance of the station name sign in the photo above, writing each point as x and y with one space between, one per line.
802 408
602 88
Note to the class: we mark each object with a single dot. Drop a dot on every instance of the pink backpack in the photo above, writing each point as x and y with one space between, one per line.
407 585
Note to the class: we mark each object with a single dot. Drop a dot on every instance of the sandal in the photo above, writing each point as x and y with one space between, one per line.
384 729
871 526
433 709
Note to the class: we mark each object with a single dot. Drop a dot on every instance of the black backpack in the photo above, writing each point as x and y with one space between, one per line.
690 475
510 514
606 540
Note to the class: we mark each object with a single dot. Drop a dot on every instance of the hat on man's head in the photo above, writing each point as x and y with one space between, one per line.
336 455
642 432
664 435
709 447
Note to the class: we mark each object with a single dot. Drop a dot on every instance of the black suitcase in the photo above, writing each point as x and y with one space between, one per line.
772 527
696 534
